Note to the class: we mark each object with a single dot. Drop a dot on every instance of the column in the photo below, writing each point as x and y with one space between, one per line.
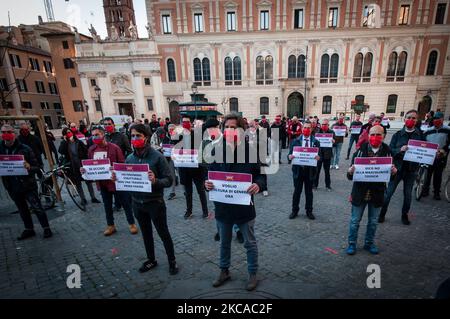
160 104
178 17
87 96
250 15
139 98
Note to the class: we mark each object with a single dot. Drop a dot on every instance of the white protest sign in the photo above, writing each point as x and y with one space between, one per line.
230 188
325 139
100 155
132 177
372 169
340 130
356 129
96 170
421 152
305 156
12 165
185 157
167 150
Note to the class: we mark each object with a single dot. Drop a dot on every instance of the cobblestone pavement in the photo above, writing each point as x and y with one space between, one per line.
298 258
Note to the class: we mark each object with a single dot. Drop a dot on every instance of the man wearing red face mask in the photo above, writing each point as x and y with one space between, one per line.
325 153
439 134
115 137
32 141
406 170
338 142
303 175
369 194
278 125
23 189
104 150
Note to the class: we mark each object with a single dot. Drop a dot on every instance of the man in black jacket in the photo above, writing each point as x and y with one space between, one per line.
406 170
23 189
369 194
354 133
229 214
33 142
325 153
115 137
281 127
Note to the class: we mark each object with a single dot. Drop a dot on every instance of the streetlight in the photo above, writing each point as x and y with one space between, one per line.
98 92
195 91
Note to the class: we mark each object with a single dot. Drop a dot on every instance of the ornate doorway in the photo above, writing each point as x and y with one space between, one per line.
295 105
425 106
174 111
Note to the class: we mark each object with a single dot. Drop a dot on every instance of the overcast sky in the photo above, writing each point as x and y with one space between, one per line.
79 13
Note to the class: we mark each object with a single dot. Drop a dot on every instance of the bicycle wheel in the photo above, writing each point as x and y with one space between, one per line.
47 196
420 182
73 193
447 189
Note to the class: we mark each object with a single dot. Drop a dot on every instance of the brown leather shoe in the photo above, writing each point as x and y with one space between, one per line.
133 229
110 230
252 282
223 277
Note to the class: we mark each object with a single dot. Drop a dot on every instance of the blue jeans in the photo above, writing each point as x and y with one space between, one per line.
353 139
357 213
248 232
408 179
336 154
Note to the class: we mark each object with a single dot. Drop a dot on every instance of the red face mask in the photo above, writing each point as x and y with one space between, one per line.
187 125
24 131
74 129
410 123
69 135
376 123
375 140
162 136
277 120
109 128
172 132
8 137
231 135
306 132
341 121
325 127
437 123
97 140
138 143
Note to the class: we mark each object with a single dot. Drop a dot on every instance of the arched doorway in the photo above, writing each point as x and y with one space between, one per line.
424 106
174 111
295 105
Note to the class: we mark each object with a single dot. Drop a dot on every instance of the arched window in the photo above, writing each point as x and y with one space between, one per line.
296 67
357 67
324 68
401 66
326 104
432 60
237 76
234 104
197 71
396 66
392 66
292 68
301 66
264 70
233 71
264 105
171 70
206 72
391 103
334 66
202 74
228 71
367 67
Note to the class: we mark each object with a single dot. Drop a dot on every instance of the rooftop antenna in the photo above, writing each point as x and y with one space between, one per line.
49 10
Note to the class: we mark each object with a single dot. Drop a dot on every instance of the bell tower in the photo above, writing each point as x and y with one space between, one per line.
120 14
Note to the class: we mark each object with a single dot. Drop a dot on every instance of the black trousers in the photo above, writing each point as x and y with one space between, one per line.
30 198
435 172
197 177
303 179
326 167
154 212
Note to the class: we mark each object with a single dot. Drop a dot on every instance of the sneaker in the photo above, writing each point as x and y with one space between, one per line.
133 229
148 265
336 167
27 233
47 233
217 237
351 250
110 230
265 193
371 248
329 189
223 277
171 196
252 282
95 201
405 219
437 196
173 268
187 215
239 237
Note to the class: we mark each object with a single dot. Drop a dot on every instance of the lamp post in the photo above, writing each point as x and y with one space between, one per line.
98 92
195 91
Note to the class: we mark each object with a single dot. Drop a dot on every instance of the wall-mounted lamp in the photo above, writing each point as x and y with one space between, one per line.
276 101
315 100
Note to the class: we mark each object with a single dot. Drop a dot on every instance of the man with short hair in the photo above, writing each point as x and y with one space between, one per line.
338 142
354 136
115 137
23 189
154 124
32 141
325 153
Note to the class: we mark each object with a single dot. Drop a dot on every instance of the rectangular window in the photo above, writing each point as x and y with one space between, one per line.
27 105
333 17
57 106
198 22
167 24
68 63
21 85
147 81
98 106
65 45
391 103
366 16
40 87
264 20
404 14
45 106
77 106
93 82
15 61
53 89
440 13
231 21
3 85
326 104
48 67
149 104
73 82
264 105
298 19
34 64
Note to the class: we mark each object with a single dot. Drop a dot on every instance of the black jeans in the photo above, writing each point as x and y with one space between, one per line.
408 179
30 198
435 172
326 167
123 198
198 179
303 178
155 212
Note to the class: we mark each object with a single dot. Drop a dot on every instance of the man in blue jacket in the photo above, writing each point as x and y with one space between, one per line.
406 170
303 175
229 214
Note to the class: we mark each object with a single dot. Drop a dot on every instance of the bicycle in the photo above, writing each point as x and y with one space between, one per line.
60 172
46 193
420 181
